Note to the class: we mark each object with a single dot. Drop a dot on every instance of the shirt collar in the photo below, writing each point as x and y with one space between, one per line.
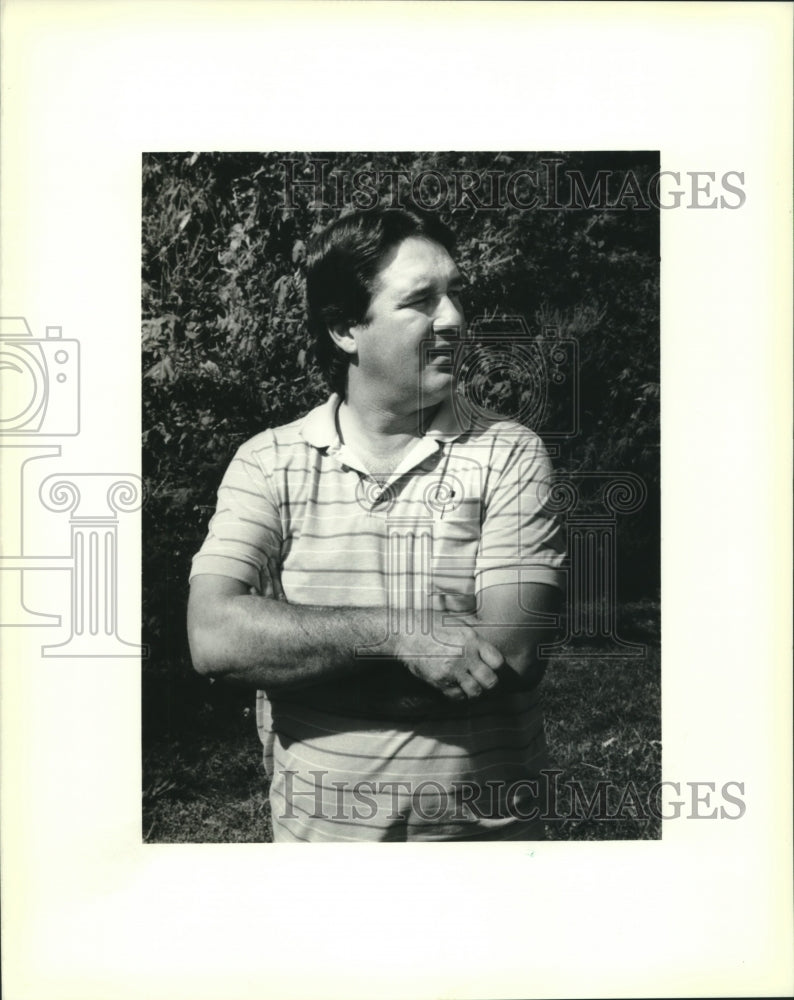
318 427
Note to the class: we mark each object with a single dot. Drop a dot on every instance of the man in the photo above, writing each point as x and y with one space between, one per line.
381 569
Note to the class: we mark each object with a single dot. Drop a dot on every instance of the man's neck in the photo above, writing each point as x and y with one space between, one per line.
378 428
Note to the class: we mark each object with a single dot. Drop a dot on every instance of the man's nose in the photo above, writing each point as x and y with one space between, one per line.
449 313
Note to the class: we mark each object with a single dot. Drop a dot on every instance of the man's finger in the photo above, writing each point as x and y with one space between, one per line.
470 687
484 676
455 693
460 604
438 602
490 655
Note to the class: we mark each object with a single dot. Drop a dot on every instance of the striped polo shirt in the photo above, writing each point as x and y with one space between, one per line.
465 510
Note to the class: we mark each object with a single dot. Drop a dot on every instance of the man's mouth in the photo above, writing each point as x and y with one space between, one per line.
441 357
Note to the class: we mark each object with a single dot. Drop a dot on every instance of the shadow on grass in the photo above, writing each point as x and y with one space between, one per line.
211 790
603 724
203 780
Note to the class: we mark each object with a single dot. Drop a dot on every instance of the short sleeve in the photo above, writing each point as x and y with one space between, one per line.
246 527
522 540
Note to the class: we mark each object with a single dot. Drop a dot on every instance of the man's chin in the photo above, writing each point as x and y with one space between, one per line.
438 379
435 389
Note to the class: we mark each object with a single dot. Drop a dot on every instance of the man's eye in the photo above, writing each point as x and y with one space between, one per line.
422 299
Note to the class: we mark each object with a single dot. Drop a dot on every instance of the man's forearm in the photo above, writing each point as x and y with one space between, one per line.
269 643
503 619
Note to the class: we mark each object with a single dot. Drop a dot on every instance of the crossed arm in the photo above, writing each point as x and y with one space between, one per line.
269 643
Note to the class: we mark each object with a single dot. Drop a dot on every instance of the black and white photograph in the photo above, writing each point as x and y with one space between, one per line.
385 397
395 530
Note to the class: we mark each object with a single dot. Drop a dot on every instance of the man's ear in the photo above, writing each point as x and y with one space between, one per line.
343 337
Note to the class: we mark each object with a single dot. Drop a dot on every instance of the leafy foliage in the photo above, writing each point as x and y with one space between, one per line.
226 350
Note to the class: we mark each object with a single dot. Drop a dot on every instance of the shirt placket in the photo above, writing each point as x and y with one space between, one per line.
376 493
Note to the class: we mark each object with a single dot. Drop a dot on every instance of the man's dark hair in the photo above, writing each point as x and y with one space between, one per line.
343 262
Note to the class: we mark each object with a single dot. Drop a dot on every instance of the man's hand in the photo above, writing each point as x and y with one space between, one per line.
261 639
458 677
516 620
513 619
270 581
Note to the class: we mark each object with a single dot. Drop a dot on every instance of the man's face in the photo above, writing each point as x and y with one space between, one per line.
416 294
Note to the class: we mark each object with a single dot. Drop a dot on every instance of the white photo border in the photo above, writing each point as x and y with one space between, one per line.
90 911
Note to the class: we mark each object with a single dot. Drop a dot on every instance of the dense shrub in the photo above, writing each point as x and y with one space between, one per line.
226 350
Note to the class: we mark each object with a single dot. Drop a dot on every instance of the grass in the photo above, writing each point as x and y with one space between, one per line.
209 791
206 784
